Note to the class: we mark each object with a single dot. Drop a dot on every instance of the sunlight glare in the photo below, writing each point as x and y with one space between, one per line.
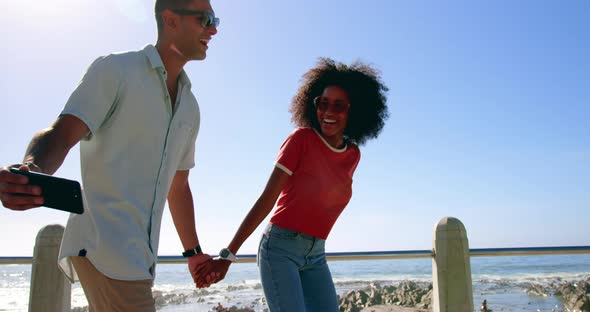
34 12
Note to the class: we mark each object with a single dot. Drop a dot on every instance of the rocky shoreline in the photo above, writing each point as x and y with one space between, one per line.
406 296
575 296
410 296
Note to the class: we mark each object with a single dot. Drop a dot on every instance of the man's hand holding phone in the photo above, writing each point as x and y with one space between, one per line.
15 191
22 189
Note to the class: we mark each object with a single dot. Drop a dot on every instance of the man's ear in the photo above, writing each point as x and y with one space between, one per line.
169 20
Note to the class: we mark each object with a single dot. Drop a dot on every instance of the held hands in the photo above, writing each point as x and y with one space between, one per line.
15 193
199 263
216 271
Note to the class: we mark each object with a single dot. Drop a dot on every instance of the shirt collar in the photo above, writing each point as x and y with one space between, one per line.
337 150
153 56
156 61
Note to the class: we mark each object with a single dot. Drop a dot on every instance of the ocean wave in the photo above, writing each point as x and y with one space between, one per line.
495 283
546 279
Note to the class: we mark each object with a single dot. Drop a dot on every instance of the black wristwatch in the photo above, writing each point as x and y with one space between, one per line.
191 252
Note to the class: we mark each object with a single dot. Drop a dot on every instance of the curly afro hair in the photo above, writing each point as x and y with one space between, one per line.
368 108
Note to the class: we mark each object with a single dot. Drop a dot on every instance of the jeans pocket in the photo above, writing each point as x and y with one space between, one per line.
283 233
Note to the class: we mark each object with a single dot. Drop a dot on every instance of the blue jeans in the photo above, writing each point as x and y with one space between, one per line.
294 273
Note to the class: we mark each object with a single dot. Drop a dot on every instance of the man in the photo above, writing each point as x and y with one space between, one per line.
137 121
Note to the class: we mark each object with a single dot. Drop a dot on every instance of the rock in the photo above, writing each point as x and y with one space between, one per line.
392 308
484 306
426 301
407 293
537 290
166 299
220 308
575 295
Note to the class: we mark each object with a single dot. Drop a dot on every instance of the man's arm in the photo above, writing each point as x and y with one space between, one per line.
46 152
49 147
180 201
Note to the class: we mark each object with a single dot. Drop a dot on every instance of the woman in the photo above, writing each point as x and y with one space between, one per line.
337 108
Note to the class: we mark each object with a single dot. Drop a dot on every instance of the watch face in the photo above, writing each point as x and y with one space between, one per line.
224 253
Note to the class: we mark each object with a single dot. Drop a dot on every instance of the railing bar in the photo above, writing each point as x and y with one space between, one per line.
382 255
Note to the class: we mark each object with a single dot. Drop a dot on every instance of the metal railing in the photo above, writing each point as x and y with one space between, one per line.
384 255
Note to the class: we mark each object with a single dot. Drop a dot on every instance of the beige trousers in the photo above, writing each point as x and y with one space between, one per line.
107 294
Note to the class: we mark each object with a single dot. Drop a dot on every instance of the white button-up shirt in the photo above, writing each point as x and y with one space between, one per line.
136 144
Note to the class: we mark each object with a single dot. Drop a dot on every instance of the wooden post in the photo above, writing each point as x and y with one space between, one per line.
451 268
50 290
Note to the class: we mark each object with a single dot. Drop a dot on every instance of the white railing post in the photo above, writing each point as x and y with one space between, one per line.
451 268
50 290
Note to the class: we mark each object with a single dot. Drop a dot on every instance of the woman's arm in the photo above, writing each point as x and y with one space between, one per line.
265 203
261 208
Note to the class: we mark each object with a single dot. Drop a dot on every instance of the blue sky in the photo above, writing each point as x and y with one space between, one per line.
489 105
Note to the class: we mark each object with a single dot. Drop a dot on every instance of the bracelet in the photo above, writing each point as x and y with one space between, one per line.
191 252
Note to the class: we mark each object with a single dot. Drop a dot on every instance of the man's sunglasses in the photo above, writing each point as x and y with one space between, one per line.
208 19
321 104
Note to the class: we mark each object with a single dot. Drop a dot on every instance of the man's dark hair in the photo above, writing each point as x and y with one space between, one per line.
368 102
162 5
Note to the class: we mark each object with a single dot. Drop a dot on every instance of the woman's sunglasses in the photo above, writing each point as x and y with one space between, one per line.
208 19
321 104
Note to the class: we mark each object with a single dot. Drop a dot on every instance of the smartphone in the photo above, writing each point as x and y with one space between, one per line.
57 193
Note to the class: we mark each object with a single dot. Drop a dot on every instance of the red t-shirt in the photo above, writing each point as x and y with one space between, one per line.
320 185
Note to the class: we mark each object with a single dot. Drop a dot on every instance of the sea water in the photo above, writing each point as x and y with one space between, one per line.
502 281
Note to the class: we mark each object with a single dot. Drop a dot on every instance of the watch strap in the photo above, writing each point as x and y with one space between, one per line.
191 252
